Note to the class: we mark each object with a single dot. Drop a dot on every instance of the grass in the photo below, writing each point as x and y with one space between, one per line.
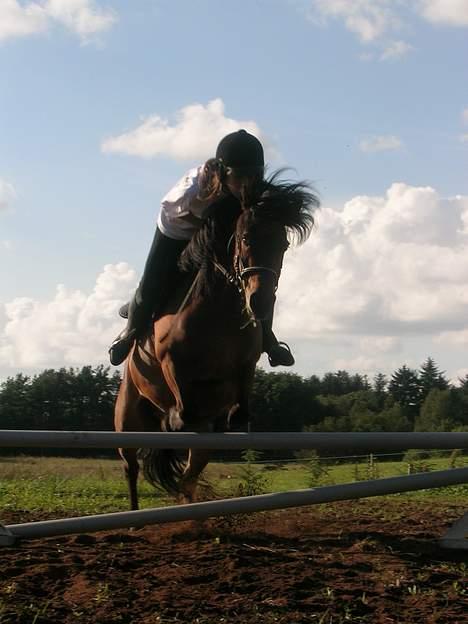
86 486
65 484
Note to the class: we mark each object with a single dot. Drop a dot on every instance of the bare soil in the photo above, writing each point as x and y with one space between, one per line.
373 561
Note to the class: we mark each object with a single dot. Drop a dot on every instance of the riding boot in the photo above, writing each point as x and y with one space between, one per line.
279 353
151 294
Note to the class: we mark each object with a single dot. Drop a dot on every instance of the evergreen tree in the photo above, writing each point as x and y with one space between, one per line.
380 388
337 383
16 408
329 385
464 384
404 388
430 377
314 384
380 383
359 382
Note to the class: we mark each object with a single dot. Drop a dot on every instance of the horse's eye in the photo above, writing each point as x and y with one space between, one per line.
246 240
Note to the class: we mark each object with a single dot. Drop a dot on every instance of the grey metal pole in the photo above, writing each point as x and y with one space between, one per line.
200 511
183 440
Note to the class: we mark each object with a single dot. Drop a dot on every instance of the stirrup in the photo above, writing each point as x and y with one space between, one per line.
280 355
123 310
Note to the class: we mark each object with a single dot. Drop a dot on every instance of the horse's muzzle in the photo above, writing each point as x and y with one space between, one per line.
261 304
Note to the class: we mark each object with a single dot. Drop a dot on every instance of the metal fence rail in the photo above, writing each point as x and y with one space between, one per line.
248 504
457 538
222 441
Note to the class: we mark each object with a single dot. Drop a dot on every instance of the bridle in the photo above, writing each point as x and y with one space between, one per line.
241 272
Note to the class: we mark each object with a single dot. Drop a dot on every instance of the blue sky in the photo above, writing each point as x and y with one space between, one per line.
357 97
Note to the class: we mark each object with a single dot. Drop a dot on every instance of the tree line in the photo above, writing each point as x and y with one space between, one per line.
408 400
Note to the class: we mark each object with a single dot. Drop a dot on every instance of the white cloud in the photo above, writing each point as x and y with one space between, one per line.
460 374
453 338
464 138
370 354
7 195
17 20
73 328
376 22
448 12
395 50
193 136
368 19
364 365
83 17
384 266
465 116
380 344
381 281
380 144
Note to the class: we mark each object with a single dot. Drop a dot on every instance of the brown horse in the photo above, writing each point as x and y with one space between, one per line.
195 369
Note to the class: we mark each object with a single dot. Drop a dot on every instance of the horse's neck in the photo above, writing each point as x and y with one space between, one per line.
223 302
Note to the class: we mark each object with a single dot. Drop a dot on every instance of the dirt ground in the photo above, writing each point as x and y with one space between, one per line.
370 561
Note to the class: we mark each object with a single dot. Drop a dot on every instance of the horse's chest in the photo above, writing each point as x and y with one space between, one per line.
220 345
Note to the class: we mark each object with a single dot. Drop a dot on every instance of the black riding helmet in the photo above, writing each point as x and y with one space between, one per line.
240 150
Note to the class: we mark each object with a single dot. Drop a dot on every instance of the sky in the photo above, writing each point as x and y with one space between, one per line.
105 105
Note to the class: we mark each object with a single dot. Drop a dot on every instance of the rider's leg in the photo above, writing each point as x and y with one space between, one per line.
279 353
150 294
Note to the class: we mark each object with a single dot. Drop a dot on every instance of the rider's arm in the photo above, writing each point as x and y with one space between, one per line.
182 213
191 218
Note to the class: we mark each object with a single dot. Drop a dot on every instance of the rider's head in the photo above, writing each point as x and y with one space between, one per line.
238 166
241 154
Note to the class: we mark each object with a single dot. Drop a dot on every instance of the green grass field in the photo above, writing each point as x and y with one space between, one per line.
62 484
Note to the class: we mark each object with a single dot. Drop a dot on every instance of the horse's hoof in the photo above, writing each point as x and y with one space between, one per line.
238 418
175 421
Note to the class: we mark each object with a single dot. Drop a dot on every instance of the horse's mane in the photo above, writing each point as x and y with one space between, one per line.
215 231
291 204
209 242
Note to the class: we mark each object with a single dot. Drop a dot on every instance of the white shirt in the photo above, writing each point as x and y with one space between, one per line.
178 203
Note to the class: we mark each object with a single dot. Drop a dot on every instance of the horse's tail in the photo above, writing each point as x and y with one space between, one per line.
163 468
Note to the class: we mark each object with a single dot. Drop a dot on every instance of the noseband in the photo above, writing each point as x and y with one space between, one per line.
241 272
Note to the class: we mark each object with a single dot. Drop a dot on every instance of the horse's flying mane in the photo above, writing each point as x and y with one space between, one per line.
292 204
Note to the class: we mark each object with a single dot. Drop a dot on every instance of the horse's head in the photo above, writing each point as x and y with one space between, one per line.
283 212
260 245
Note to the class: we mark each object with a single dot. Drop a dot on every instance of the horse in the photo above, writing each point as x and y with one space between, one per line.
194 368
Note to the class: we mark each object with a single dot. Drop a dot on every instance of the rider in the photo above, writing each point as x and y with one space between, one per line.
239 163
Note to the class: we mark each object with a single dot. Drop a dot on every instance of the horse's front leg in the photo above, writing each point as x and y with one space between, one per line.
131 469
239 417
196 463
128 417
175 412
